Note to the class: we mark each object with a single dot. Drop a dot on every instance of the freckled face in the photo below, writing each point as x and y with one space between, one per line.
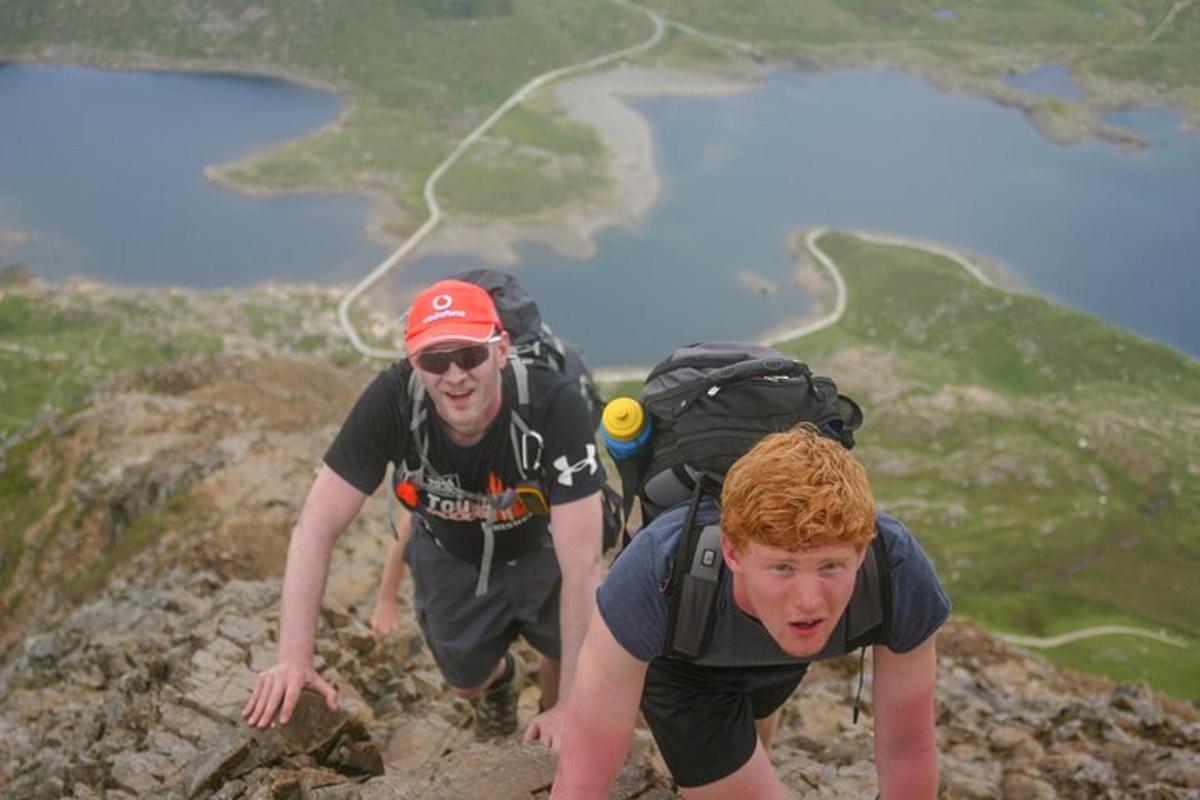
798 595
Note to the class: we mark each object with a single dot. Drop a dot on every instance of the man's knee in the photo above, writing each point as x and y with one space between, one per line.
471 692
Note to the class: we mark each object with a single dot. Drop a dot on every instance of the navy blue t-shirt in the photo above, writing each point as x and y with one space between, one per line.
633 603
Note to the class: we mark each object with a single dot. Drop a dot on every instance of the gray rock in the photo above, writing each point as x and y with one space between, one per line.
43 650
173 747
191 725
509 771
355 757
220 687
214 768
1180 769
244 631
1020 786
231 790
966 784
1007 737
248 597
143 774
1137 699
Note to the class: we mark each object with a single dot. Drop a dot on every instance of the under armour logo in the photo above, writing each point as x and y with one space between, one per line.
566 472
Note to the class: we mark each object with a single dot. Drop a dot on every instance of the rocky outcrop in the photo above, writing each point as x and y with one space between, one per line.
138 691
138 694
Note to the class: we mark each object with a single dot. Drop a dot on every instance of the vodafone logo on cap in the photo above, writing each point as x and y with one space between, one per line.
441 309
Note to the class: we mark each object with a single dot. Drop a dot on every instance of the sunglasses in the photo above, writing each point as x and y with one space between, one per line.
467 358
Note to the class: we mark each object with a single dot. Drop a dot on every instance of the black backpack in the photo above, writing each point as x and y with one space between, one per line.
708 404
532 340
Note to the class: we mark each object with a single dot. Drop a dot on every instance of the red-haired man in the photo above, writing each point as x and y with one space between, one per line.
796 520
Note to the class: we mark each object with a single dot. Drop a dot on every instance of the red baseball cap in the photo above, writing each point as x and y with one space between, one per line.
451 311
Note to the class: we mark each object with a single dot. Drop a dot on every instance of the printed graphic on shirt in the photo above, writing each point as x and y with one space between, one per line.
566 471
445 498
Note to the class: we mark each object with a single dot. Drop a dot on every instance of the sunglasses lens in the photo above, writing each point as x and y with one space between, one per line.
467 358
472 357
436 363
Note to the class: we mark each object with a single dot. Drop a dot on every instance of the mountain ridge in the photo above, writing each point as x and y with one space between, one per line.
154 508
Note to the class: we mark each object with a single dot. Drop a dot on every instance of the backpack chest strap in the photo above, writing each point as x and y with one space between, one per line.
527 450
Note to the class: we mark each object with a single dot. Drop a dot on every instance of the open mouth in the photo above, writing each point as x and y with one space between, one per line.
804 627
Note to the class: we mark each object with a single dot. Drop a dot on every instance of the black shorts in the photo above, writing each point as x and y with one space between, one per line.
468 635
703 717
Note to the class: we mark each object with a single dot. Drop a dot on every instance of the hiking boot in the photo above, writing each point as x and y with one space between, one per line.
496 709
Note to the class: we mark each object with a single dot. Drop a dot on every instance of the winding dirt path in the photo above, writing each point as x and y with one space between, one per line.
435 209
1168 19
1088 633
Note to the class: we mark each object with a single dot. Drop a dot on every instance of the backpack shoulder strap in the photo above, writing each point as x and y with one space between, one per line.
418 414
880 602
527 443
693 586
869 613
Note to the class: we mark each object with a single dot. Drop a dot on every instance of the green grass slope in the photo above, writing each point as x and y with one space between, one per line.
59 342
1046 459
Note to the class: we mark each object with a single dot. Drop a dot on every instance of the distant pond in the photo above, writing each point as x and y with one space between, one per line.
1113 233
106 171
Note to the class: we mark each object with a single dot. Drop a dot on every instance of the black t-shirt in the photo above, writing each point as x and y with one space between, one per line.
376 433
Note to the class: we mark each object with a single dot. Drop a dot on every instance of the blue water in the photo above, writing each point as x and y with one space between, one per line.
1111 232
105 171
1051 80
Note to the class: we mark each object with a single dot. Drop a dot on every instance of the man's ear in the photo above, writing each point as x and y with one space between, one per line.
862 556
503 347
732 558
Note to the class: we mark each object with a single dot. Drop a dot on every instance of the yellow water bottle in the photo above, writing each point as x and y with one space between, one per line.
624 427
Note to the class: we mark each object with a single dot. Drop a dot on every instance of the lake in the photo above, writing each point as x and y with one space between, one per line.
106 168
1113 233
105 172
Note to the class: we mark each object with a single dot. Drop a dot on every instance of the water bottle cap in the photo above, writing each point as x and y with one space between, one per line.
623 418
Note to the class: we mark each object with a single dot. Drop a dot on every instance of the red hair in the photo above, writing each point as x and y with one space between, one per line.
797 489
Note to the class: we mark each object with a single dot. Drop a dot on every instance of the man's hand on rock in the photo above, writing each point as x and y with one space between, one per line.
386 616
277 689
547 727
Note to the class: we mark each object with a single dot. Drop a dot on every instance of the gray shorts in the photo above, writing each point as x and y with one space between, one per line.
467 634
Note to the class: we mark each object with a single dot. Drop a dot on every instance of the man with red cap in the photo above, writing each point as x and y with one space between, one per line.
496 461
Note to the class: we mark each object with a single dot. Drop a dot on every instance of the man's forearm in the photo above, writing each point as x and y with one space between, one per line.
591 756
393 565
576 528
913 776
303 587
576 603
600 717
